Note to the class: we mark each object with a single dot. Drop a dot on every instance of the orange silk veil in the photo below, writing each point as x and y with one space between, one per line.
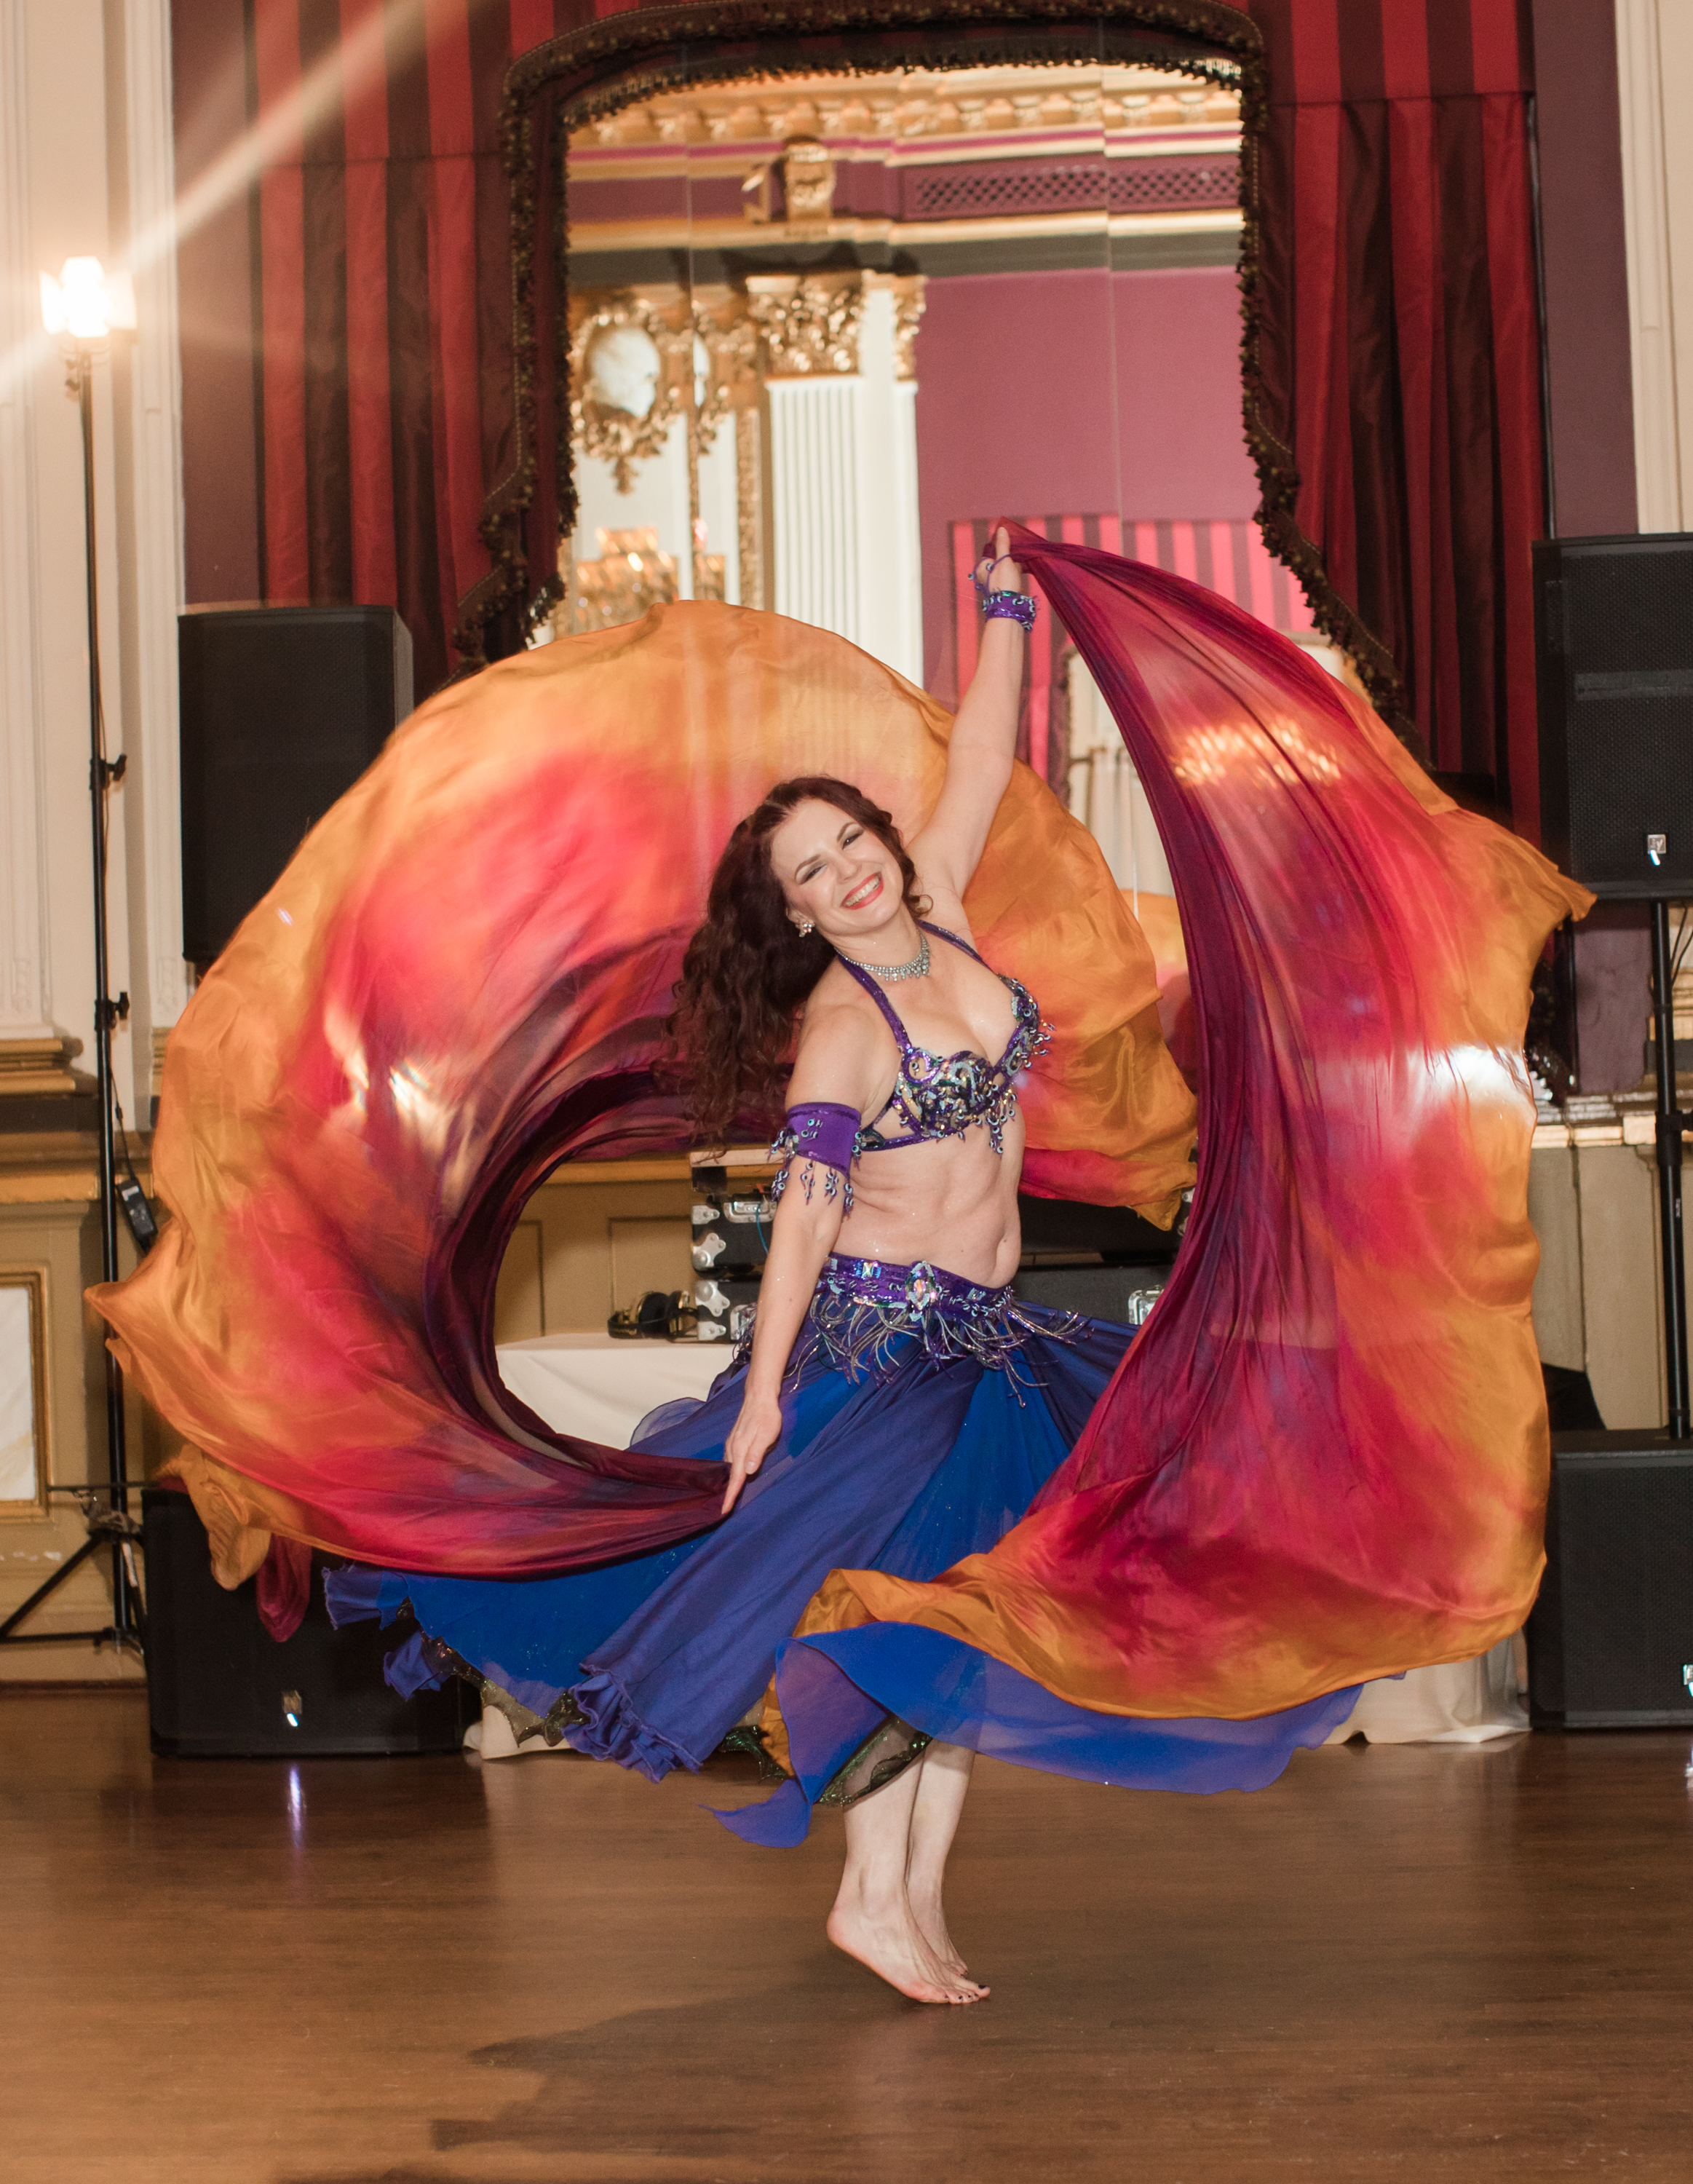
459 981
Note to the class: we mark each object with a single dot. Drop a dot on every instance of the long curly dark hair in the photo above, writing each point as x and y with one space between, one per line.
749 970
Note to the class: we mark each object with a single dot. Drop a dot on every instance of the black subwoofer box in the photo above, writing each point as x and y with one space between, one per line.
219 1685
1610 1637
1613 639
282 709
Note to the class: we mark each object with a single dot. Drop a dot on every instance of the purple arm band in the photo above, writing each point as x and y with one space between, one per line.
822 1131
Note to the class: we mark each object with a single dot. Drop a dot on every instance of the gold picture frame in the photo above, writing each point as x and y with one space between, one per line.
24 1424
617 436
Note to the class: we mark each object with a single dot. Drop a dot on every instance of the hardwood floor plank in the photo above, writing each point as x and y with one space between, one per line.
1399 1962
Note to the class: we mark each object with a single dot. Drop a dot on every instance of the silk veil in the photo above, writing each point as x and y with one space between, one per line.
1325 1458
460 980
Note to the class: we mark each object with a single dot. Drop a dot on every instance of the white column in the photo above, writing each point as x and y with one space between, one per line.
26 984
843 492
153 549
891 615
1646 214
815 455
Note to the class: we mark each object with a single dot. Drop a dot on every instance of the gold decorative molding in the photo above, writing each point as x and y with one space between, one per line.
749 505
709 326
808 180
724 329
809 322
910 298
30 1068
945 111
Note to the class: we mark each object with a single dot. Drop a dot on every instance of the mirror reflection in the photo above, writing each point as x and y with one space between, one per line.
913 302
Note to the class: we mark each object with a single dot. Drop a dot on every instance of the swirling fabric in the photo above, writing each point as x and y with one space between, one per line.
461 980
1325 1459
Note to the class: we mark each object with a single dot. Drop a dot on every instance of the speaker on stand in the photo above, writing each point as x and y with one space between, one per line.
283 708
1610 1638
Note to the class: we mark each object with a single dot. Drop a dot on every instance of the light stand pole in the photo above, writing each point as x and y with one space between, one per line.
103 772
1670 1123
83 306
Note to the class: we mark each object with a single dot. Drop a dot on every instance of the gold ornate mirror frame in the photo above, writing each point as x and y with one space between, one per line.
625 59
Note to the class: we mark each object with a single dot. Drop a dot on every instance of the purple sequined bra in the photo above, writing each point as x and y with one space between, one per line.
934 1095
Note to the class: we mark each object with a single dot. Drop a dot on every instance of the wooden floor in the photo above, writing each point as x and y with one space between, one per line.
1398 1963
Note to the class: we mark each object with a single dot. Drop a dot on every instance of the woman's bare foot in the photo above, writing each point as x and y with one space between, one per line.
930 1923
889 1942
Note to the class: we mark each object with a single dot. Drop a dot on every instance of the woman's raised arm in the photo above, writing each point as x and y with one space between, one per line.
978 761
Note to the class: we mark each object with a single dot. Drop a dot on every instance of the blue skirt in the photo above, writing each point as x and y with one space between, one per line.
921 1417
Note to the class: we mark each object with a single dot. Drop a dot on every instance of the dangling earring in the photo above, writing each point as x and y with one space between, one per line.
803 926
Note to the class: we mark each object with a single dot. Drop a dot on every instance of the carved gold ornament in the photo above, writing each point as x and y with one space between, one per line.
908 312
626 385
809 322
808 176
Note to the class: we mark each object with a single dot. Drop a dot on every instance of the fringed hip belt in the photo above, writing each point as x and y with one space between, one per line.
865 1311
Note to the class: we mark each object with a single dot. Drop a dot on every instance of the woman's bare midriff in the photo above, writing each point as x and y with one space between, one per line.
952 1201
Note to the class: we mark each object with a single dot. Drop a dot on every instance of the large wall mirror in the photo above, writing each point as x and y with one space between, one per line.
811 328
821 328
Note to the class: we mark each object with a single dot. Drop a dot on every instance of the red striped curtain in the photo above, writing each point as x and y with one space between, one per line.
1395 408
385 283
1226 557
1396 412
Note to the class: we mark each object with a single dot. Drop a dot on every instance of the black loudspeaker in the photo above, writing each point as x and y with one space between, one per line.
1614 636
1610 1637
1123 1293
283 708
1058 1226
219 1686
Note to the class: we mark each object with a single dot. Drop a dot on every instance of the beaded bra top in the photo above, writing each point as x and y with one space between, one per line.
942 1096
934 1095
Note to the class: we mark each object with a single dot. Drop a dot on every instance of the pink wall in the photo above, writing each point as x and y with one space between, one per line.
1016 414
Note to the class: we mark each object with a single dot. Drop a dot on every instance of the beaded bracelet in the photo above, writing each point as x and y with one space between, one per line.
1017 606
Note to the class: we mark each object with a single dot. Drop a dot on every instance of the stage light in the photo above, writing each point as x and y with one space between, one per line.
86 302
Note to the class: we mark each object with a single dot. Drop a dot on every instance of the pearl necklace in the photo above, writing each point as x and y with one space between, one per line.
891 974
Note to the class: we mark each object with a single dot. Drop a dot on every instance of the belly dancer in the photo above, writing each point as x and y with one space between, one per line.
922 1518
909 1219
900 1407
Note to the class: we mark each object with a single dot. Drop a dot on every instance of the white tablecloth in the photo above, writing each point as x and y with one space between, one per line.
1460 1702
600 1390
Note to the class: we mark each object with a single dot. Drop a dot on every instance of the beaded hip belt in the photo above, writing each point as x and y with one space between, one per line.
864 1309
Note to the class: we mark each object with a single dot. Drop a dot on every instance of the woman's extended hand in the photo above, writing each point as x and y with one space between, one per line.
756 1432
997 571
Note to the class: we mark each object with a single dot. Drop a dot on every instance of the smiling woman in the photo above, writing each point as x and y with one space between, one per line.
897 1406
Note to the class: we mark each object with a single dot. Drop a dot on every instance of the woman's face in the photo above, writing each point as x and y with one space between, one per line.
835 872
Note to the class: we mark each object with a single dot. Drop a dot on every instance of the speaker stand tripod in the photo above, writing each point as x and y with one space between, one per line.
1672 1120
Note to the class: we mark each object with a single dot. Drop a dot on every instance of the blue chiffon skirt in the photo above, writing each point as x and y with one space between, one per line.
904 1451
